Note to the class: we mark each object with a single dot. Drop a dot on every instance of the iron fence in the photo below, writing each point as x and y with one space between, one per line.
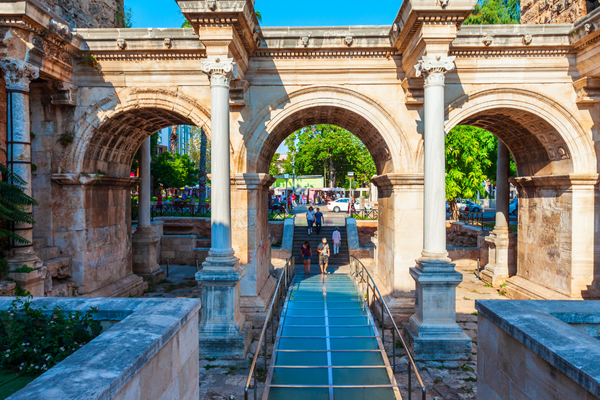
273 314
365 281
372 213
278 215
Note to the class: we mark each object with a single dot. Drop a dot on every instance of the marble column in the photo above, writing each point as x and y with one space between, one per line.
224 332
432 332
501 242
145 240
17 75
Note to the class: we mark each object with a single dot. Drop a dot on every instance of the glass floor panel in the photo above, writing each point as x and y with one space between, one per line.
300 376
354 344
340 358
344 312
363 394
360 376
306 312
348 321
351 331
302 332
305 304
302 359
277 393
304 321
302 344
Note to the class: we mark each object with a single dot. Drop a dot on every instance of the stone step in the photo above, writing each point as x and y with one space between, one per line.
62 288
202 242
39 243
60 267
48 253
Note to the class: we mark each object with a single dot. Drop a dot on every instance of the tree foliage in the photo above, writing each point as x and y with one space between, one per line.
493 12
470 153
14 204
331 151
174 171
274 168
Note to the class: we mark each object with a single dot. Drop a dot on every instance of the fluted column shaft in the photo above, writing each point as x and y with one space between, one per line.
18 75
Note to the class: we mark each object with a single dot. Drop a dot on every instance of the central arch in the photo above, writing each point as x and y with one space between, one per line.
336 105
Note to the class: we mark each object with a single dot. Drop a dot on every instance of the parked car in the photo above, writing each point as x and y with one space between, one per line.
342 205
463 204
513 209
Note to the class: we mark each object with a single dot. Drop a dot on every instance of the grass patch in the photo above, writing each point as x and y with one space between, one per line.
502 293
468 390
503 285
230 370
469 379
475 313
399 344
488 285
437 380
467 368
209 366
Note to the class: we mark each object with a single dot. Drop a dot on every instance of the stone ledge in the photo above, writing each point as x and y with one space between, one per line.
106 365
543 327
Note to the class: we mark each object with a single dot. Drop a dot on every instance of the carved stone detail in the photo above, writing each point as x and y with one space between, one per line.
64 94
61 30
488 40
168 43
18 74
304 41
121 43
220 71
211 4
443 3
434 69
527 39
349 40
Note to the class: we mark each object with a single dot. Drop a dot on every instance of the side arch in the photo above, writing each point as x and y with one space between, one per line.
111 130
337 105
544 137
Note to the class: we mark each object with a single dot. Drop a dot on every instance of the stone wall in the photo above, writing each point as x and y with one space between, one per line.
201 226
521 352
553 11
366 230
88 13
276 232
179 250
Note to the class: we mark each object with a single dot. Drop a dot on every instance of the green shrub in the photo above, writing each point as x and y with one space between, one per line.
3 268
24 268
34 339
153 198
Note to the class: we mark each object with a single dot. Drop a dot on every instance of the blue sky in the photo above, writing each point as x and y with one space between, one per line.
165 13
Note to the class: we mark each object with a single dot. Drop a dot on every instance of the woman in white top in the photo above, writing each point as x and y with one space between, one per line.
310 219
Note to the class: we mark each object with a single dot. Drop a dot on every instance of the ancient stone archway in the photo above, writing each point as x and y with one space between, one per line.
556 165
111 130
335 105
543 136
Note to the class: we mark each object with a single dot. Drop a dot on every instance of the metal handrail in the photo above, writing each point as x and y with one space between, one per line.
276 305
354 262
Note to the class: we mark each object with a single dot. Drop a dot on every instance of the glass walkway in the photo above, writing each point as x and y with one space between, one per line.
327 346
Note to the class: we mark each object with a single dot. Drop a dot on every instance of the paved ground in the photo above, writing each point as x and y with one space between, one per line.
446 381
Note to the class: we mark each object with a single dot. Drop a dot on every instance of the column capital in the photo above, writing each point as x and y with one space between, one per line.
18 74
434 69
220 70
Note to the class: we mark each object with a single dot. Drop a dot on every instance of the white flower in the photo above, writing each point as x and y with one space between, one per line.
62 349
7 355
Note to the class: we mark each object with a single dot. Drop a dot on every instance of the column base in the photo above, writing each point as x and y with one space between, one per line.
501 257
144 243
438 347
226 347
432 333
24 256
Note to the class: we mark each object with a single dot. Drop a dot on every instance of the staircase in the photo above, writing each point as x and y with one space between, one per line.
59 267
337 262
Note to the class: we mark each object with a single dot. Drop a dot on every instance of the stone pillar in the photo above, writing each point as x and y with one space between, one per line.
251 243
432 331
144 240
17 75
224 332
501 241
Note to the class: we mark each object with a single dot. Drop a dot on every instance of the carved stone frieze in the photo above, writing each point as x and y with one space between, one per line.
168 43
18 74
121 43
527 39
588 90
488 40
61 30
349 40
434 69
220 71
304 41
63 94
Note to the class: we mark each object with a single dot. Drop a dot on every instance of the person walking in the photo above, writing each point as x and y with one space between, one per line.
306 257
159 203
319 220
310 219
337 240
323 255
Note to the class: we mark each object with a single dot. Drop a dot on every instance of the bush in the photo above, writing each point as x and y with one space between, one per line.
3 268
34 340
153 198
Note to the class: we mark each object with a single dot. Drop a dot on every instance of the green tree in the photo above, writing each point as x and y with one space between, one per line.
14 204
174 171
494 12
274 168
329 150
199 151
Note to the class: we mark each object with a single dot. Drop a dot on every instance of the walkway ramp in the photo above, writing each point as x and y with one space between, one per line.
327 346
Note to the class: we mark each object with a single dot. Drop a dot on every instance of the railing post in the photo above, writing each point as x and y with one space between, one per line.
394 349
409 380
265 340
255 381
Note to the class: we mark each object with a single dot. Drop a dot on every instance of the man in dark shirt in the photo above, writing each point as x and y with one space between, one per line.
319 220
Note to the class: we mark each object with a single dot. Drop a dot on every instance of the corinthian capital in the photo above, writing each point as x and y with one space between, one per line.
434 69
220 71
18 74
